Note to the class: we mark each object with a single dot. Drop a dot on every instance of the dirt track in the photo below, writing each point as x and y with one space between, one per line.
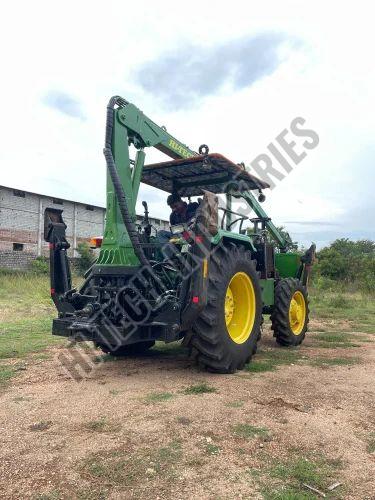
118 435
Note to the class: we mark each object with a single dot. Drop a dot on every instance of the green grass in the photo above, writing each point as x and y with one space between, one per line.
101 425
121 468
6 373
183 420
201 388
325 362
24 295
371 443
170 349
22 337
235 404
212 449
26 312
158 397
295 471
248 431
339 339
104 358
287 493
269 360
335 305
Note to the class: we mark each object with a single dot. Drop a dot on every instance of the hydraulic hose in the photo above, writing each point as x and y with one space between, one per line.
120 193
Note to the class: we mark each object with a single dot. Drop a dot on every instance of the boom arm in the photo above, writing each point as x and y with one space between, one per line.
128 125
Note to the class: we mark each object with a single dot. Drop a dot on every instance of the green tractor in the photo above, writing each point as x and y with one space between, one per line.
209 285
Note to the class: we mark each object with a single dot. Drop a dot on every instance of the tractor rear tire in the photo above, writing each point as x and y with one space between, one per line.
290 316
127 350
224 337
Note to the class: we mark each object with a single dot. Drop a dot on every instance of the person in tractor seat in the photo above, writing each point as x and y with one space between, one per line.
182 213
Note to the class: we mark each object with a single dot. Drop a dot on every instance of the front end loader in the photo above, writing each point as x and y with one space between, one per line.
209 285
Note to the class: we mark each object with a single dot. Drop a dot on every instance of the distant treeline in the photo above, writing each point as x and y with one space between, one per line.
349 262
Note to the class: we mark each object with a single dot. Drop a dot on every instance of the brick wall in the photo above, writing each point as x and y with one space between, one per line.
21 225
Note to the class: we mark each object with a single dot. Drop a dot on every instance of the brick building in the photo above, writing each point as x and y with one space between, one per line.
21 225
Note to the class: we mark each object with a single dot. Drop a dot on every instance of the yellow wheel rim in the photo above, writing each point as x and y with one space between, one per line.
239 308
297 312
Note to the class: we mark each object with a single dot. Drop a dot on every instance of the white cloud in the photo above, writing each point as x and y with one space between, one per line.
92 51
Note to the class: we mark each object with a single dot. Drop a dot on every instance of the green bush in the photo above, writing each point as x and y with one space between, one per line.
40 265
351 263
339 302
86 258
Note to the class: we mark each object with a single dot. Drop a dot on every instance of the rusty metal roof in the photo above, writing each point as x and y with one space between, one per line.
188 176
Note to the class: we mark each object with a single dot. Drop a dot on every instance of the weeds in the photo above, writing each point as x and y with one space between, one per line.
295 471
339 302
119 468
158 397
248 431
270 360
325 362
101 425
199 389
212 449
6 373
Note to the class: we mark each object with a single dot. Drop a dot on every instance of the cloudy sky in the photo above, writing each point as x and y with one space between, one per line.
230 75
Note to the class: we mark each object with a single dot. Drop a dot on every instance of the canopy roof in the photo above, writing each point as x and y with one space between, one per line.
188 176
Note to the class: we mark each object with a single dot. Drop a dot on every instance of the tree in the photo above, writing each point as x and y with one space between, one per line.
86 258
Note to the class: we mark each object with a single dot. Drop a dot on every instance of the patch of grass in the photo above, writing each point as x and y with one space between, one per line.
24 336
42 356
325 362
183 420
104 358
199 389
51 495
169 453
339 345
270 360
359 309
120 468
170 349
90 494
287 493
101 425
114 392
371 443
6 373
261 365
335 340
158 397
339 302
297 470
20 399
248 431
212 449
235 404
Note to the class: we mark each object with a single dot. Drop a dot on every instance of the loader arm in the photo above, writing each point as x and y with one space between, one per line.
131 127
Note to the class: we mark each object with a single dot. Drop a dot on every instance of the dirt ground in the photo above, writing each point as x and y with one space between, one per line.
135 428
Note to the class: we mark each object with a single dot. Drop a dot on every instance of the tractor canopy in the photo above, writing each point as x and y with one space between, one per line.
211 172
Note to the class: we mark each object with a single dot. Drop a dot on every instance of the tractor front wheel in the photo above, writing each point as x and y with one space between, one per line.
290 316
225 335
